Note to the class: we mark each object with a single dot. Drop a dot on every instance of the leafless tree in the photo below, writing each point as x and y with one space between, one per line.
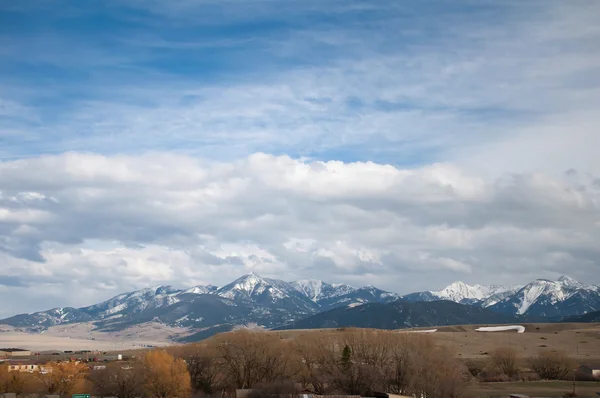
552 365
504 359
117 380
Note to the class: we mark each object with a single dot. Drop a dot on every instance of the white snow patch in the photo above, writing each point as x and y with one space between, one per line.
352 305
518 328
423 331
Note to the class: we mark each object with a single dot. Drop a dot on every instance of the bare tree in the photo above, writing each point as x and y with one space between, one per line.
250 358
118 380
552 365
205 368
504 359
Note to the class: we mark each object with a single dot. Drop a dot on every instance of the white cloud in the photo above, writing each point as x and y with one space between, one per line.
466 122
132 221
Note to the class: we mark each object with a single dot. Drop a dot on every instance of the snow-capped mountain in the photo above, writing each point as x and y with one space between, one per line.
460 292
137 301
267 292
206 310
541 298
560 298
250 298
201 290
317 290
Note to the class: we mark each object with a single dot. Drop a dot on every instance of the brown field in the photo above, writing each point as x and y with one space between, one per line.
580 340
585 389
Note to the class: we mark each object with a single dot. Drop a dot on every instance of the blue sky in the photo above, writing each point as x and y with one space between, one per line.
132 76
403 144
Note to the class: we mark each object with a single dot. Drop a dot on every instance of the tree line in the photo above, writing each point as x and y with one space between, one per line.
349 362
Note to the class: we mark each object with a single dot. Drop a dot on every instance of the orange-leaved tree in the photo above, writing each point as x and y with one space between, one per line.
165 376
62 378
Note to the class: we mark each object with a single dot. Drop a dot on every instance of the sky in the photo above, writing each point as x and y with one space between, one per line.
405 144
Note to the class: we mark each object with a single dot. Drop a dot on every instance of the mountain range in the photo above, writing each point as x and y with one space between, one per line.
540 298
273 303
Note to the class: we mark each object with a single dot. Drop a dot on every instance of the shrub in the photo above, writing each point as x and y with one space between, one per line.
504 359
474 368
552 365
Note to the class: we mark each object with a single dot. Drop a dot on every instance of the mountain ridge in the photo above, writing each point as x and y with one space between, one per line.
272 303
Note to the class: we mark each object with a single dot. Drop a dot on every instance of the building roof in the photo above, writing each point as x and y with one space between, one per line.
12 349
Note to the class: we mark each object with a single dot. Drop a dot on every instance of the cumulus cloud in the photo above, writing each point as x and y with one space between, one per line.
104 224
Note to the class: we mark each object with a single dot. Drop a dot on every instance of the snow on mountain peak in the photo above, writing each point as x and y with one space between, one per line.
317 290
311 288
460 291
200 290
569 282
252 285
552 291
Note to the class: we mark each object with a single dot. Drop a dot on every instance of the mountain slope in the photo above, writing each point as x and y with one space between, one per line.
402 314
318 291
540 298
560 298
248 299
460 292
590 317
270 293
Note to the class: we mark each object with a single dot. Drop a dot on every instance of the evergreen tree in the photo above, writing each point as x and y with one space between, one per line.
346 358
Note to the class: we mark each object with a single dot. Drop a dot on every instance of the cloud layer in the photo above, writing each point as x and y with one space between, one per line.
97 225
402 144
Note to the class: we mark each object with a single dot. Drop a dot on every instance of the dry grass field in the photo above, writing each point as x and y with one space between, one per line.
585 389
580 340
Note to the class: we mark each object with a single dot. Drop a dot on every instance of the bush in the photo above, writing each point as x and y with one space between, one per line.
552 365
504 359
474 368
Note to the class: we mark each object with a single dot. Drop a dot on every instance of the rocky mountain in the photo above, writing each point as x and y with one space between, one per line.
318 291
271 303
249 299
460 292
540 298
561 298
267 292
402 314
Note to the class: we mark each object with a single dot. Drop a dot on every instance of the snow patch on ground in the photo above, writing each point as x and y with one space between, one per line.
518 328
352 305
423 331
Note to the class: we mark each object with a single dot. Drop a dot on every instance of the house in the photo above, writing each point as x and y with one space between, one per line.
588 373
14 352
23 367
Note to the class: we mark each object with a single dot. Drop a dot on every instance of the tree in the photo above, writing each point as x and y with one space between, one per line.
204 367
504 359
311 350
117 380
62 378
346 359
250 358
4 377
552 365
165 376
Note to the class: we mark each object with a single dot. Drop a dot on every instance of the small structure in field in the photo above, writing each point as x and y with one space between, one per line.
14 352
